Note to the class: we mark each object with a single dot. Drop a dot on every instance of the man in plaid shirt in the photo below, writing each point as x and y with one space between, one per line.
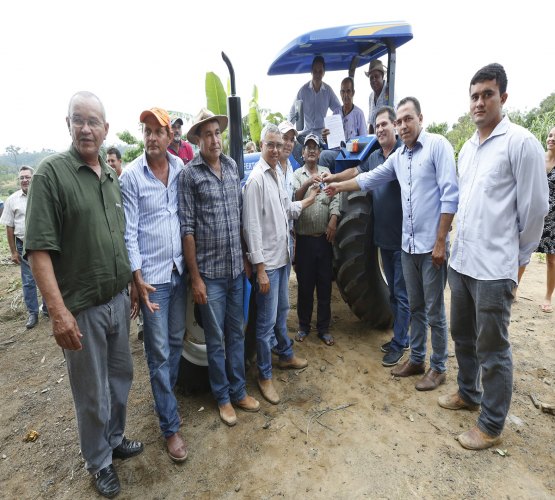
210 206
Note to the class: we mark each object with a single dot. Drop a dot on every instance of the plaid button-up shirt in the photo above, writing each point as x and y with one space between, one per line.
210 209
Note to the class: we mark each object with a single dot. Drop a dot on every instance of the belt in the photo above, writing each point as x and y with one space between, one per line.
312 235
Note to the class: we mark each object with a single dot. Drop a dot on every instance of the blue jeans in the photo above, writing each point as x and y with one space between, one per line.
480 317
398 298
163 337
271 317
28 282
222 318
425 286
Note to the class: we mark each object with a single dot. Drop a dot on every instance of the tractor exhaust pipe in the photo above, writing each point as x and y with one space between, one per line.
235 121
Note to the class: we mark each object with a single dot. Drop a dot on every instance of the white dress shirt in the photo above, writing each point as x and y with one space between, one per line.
266 210
503 199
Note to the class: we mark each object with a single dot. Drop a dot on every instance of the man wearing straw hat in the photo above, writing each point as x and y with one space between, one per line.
210 205
380 92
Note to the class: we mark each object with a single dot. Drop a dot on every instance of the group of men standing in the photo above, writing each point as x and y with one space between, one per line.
99 253
500 195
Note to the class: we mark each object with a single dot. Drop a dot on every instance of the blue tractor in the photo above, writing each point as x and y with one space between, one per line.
358 271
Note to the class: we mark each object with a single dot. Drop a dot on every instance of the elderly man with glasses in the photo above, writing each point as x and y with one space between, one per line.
266 211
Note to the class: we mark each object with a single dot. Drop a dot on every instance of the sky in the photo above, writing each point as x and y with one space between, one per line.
136 55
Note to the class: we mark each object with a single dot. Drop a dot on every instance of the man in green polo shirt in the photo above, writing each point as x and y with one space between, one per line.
74 228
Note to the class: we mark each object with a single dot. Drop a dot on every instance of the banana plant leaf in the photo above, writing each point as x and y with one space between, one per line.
216 99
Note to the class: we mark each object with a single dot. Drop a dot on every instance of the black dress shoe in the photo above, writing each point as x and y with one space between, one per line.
32 321
106 482
127 449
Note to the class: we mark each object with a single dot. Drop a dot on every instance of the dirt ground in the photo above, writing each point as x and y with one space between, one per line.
345 427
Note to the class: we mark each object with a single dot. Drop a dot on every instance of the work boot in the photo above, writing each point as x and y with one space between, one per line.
32 321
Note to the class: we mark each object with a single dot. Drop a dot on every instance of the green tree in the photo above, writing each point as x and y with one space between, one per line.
438 128
461 132
136 146
14 151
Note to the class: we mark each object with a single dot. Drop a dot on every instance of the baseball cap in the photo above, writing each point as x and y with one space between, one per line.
160 114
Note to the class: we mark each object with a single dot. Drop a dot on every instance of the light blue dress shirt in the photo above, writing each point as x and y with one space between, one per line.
428 179
152 229
503 202
315 107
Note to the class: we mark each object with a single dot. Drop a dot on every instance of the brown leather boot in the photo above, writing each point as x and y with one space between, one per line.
407 369
432 380
475 439
268 391
455 402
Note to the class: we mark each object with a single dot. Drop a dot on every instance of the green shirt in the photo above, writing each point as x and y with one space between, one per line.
79 219
314 219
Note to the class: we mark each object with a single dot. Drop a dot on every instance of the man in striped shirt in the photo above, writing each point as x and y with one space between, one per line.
149 189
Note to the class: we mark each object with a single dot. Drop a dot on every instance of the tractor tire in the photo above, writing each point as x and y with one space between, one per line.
357 267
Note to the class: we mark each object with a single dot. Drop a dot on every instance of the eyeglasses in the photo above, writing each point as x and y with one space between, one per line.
274 145
312 149
79 122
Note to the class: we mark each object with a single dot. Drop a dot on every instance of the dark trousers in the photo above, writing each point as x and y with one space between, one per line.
480 318
313 265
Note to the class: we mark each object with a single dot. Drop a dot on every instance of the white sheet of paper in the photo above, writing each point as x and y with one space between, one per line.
335 125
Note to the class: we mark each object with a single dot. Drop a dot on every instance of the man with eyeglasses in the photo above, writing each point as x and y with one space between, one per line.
149 187
13 218
266 210
74 239
425 169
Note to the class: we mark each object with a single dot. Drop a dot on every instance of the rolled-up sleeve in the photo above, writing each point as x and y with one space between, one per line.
334 206
129 193
252 220
187 207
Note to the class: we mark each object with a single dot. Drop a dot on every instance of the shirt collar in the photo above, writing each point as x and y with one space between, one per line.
77 162
398 144
420 140
172 163
322 87
265 165
501 129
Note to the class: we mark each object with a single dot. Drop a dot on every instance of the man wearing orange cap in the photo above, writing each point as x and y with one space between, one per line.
149 189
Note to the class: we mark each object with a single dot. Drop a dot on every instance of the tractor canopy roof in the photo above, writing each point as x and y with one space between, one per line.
342 47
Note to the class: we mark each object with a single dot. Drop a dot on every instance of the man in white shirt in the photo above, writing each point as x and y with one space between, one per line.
13 218
503 199
266 213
